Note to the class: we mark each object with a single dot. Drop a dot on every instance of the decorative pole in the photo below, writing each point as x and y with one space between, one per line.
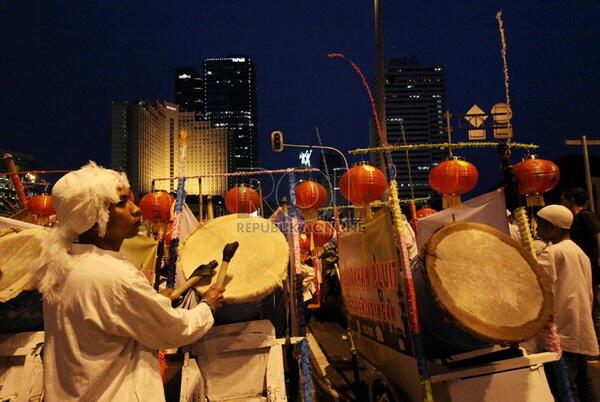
411 299
551 333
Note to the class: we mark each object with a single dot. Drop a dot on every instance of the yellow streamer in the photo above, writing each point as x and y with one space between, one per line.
410 147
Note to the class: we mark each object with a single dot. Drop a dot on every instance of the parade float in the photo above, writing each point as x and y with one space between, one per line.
437 316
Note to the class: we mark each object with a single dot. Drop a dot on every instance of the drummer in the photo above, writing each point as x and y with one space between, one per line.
569 270
103 321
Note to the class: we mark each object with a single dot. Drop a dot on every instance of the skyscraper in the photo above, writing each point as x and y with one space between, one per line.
415 104
206 154
189 91
230 102
143 143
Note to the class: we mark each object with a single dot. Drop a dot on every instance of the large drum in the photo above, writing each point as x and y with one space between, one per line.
257 269
20 306
478 287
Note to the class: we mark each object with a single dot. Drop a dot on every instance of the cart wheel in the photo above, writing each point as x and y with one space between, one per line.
381 390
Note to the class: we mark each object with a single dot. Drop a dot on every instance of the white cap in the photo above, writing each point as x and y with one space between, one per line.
558 215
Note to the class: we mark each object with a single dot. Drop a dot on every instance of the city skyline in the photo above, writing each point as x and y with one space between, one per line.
77 58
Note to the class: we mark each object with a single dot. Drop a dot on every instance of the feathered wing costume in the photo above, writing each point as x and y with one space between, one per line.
39 258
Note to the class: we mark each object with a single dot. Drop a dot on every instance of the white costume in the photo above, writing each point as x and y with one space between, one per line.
103 334
570 272
103 321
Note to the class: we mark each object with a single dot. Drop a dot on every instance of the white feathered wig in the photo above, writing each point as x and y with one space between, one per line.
81 199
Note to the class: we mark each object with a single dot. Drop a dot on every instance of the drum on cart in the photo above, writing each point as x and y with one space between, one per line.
20 306
254 274
475 287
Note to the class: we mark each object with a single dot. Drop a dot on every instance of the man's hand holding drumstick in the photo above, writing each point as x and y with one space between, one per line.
213 297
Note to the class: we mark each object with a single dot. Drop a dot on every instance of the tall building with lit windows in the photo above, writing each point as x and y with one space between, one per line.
206 154
145 145
189 91
415 103
144 137
230 102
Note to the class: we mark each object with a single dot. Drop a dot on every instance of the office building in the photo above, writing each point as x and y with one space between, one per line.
189 91
143 143
230 102
415 105
206 154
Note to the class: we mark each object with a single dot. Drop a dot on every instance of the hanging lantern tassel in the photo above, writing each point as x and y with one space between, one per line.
452 178
535 177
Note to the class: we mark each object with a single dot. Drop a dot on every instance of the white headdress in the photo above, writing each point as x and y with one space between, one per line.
81 200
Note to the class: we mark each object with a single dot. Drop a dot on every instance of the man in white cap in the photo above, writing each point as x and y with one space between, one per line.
103 321
570 273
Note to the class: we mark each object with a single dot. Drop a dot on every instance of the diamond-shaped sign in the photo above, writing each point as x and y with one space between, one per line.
475 116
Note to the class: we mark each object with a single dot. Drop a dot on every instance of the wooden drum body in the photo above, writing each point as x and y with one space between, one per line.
478 287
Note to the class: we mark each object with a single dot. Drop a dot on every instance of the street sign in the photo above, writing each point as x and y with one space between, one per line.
579 142
502 113
476 117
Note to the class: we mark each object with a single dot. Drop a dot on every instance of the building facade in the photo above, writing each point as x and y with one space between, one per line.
143 142
230 102
145 145
206 154
189 91
415 105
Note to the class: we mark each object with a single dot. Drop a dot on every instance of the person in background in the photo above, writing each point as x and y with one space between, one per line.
569 271
513 229
585 231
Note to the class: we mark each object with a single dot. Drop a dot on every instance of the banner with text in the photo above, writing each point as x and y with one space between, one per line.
370 278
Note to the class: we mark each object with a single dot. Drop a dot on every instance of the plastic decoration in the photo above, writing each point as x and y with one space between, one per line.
452 178
363 184
242 200
310 195
535 177
304 241
41 205
321 232
425 211
156 206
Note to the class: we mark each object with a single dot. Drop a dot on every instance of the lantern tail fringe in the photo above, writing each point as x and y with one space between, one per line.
535 200
451 201
310 214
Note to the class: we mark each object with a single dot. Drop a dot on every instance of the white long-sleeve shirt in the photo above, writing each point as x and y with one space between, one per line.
570 272
103 334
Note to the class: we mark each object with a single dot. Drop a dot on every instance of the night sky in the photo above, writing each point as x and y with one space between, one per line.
64 62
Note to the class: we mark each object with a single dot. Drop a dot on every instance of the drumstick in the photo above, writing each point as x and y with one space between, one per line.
228 253
193 279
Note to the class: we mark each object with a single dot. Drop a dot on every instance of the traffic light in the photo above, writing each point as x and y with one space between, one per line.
277 141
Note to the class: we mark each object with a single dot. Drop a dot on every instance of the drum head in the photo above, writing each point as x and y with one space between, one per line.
489 284
20 253
258 266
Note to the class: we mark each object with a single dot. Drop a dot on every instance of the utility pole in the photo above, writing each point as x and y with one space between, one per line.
380 81
584 142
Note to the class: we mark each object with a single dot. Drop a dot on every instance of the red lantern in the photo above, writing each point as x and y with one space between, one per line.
41 205
452 178
363 184
425 211
242 200
321 231
310 195
535 177
156 206
304 243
